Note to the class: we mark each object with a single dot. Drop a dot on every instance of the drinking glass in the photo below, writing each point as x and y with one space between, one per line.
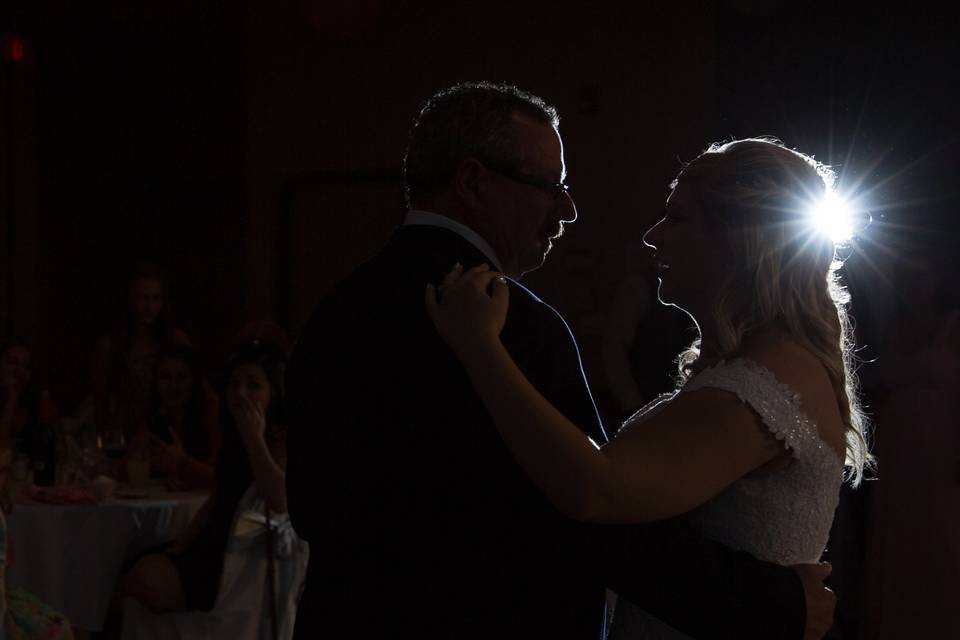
113 444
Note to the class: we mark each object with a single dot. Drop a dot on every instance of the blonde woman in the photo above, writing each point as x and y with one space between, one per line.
752 446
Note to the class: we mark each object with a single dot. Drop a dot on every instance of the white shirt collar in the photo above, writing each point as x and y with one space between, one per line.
426 218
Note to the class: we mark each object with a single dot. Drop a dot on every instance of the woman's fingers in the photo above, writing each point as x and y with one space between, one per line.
247 408
452 276
457 276
479 279
430 297
248 411
500 292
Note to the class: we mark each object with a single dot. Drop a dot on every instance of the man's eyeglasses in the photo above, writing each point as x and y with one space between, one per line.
555 189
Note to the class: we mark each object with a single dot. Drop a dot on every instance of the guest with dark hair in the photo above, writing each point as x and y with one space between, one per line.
28 415
186 575
125 359
183 422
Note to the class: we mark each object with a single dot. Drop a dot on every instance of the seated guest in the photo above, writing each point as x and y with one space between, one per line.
125 360
183 424
185 576
28 416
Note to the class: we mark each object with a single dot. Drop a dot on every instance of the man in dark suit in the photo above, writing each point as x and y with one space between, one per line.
420 523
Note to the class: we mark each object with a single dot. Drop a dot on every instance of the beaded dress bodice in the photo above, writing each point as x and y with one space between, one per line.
780 516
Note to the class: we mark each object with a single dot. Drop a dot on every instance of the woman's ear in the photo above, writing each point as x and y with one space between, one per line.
468 182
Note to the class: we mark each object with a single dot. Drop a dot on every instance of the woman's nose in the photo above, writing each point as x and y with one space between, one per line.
652 237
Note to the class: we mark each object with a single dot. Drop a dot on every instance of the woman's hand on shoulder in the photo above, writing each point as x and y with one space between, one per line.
471 308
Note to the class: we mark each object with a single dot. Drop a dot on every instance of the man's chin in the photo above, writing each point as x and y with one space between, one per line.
535 262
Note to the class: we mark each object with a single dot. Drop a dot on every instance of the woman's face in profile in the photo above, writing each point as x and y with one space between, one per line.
146 300
15 367
248 381
687 254
174 383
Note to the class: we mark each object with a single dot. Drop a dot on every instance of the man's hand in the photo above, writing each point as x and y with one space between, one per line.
821 601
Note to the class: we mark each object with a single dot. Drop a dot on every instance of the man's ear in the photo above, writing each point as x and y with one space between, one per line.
468 182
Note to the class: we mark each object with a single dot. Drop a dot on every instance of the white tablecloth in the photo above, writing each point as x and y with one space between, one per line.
71 556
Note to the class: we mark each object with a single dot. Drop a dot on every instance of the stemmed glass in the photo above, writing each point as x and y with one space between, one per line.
113 444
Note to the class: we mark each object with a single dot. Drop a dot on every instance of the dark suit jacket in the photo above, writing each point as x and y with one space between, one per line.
422 525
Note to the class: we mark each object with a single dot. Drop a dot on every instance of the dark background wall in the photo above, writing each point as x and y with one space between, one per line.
136 137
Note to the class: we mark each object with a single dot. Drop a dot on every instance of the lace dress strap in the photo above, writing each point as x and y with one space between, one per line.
776 403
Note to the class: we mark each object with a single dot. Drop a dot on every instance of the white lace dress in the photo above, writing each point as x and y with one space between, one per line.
783 516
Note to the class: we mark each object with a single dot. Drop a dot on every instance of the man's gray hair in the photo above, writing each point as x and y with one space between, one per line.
471 119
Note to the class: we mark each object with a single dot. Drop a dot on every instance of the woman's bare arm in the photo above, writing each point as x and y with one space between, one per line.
688 453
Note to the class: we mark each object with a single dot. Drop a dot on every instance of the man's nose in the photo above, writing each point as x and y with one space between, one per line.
568 209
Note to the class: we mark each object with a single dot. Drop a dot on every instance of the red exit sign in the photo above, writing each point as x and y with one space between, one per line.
14 48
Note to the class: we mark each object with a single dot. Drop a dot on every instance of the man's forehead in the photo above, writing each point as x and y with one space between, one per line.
542 146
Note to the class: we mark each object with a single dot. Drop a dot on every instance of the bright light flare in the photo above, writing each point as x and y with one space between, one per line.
833 217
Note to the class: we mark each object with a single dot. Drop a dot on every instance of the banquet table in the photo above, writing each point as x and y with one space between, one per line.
71 556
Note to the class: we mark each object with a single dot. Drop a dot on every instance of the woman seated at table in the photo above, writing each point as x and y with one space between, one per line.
28 416
183 422
186 575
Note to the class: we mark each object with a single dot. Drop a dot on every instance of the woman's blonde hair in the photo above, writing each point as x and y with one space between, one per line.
757 195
